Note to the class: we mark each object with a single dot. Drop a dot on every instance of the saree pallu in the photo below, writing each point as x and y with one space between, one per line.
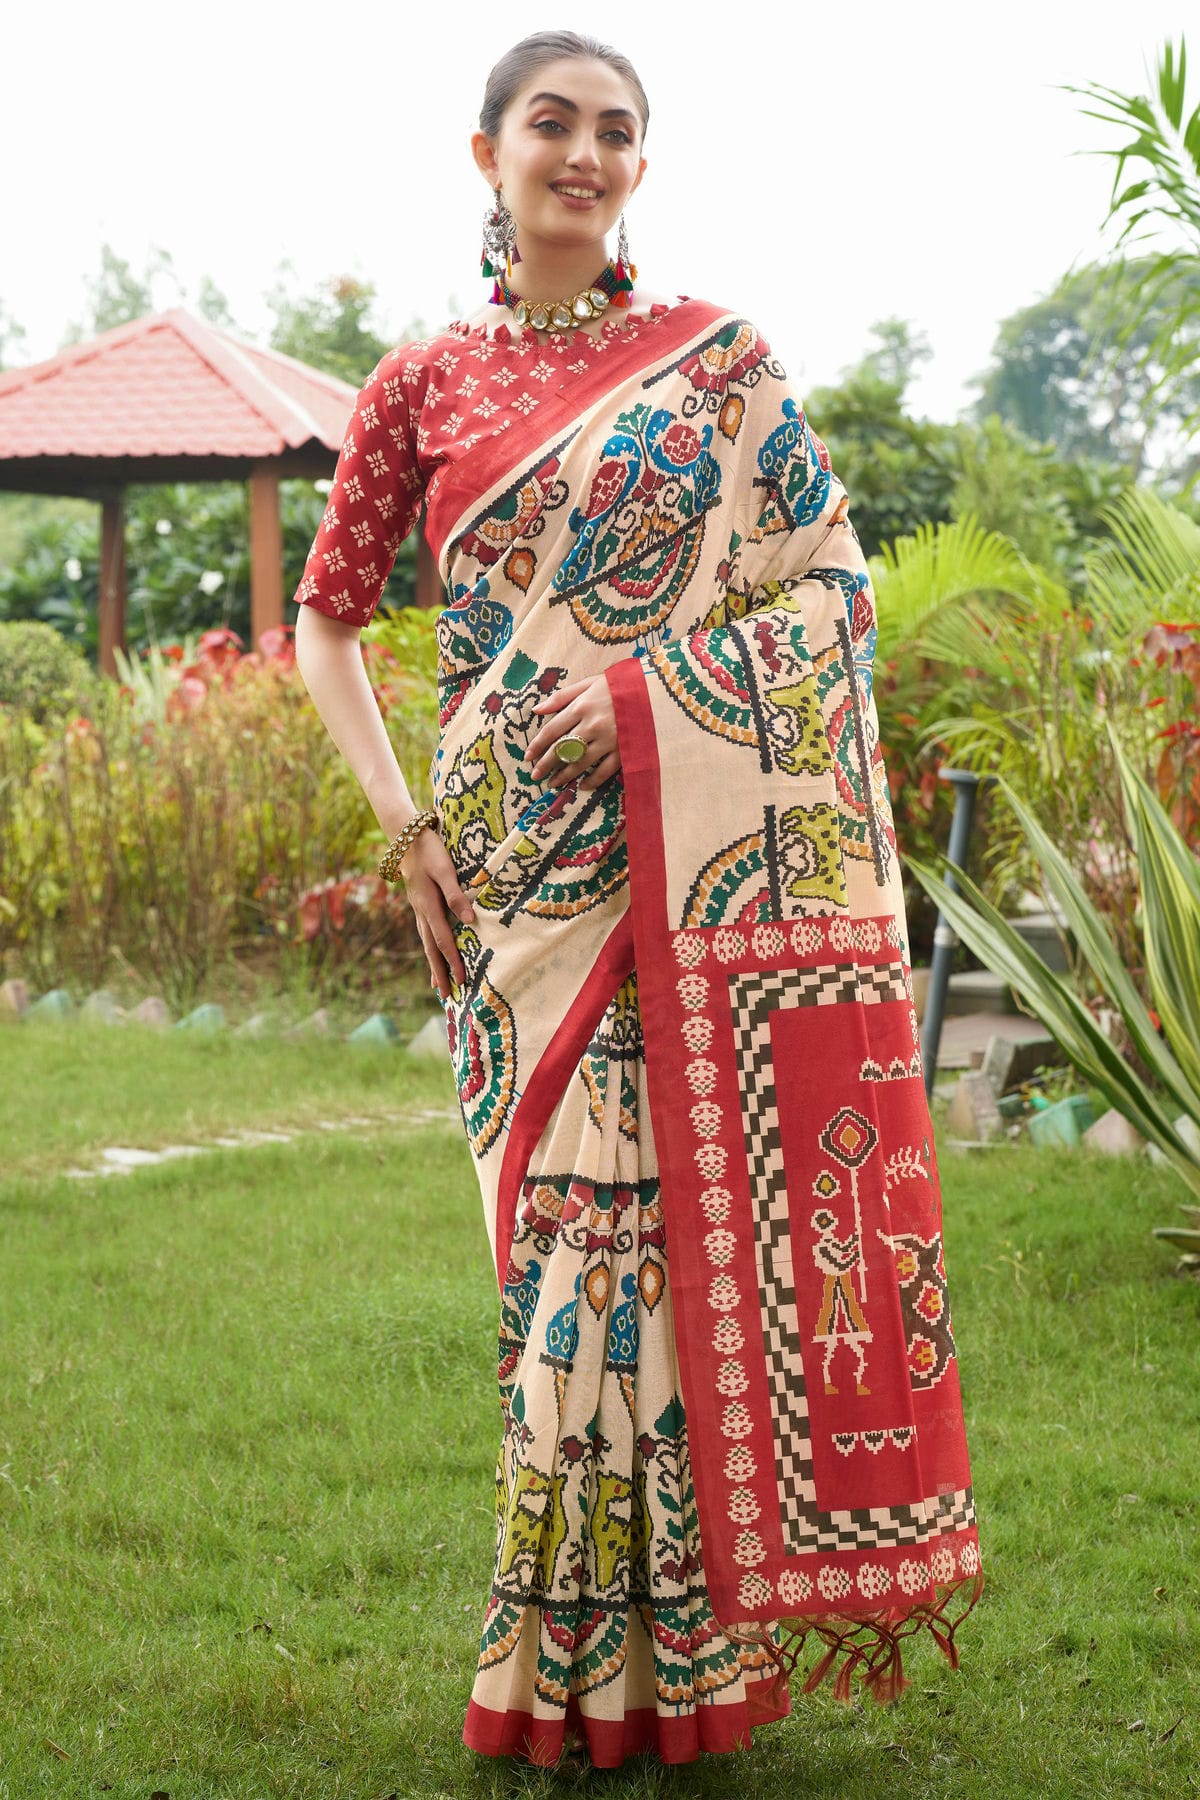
686 1052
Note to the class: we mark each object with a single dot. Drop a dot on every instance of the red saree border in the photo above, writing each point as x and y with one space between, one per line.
679 1738
859 1633
555 1067
638 346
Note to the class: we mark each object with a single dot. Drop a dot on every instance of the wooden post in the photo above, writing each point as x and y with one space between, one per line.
112 580
429 582
266 554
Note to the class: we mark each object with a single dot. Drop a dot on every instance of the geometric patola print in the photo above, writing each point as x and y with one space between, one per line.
850 1139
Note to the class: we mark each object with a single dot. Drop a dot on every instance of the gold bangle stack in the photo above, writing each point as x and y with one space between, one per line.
389 867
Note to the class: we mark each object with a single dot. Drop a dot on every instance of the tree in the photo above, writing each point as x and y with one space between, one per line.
116 295
1064 372
1162 203
899 471
11 334
897 355
212 305
329 329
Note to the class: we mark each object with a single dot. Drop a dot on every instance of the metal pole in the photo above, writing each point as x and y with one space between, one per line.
945 941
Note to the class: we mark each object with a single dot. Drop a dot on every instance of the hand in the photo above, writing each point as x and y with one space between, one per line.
582 709
431 882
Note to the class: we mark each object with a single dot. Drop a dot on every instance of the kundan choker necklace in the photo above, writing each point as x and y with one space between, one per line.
611 288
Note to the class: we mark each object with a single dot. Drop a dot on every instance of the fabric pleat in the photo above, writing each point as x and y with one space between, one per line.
599 1613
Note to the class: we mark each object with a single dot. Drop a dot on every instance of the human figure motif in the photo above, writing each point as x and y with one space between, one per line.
840 1319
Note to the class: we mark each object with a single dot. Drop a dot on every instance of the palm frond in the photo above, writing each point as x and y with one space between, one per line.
1165 193
1150 569
1170 882
940 564
1052 1000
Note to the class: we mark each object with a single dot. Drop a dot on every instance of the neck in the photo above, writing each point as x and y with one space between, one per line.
549 271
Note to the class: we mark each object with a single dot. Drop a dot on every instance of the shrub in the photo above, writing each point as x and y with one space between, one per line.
199 811
40 672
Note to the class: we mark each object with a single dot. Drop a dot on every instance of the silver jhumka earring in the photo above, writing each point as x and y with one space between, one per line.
499 237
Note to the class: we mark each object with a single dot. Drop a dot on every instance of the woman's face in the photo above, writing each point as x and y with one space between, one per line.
568 153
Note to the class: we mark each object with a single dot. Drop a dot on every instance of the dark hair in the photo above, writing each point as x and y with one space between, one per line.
517 65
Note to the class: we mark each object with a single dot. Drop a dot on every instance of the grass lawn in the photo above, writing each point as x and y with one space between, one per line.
249 1422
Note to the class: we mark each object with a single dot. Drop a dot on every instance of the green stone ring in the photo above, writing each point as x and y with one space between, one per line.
570 749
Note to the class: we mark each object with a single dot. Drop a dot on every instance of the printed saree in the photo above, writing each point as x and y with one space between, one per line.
685 1048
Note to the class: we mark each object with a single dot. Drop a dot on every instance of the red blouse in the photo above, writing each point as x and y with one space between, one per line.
420 411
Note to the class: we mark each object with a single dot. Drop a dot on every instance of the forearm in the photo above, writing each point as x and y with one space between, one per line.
329 657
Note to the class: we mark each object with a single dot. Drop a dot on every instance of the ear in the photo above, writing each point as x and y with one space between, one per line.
484 152
637 180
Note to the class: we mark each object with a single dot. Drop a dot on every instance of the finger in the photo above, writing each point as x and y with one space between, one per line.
561 695
603 771
541 753
600 738
437 968
452 956
559 773
458 902
549 729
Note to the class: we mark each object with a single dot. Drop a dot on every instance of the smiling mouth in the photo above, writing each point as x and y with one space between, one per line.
576 192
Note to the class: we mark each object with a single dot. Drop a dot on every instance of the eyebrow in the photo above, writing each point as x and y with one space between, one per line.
610 112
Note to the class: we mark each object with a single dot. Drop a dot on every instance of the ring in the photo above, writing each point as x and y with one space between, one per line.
570 749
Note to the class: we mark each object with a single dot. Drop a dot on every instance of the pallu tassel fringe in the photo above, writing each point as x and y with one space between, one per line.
868 1645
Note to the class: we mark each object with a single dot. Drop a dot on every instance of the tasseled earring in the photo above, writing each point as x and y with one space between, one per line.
624 270
499 242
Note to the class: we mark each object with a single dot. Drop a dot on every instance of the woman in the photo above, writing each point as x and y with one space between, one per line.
660 901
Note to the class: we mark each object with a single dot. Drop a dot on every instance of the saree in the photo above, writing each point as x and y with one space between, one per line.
685 1046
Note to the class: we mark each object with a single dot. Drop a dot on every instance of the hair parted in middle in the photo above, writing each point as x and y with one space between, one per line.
517 65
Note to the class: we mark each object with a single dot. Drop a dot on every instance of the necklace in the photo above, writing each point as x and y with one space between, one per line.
612 287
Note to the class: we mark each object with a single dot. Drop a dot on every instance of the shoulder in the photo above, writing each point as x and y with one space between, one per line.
738 335
411 360
729 349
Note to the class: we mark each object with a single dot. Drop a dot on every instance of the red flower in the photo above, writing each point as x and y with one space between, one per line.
278 646
187 697
1169 643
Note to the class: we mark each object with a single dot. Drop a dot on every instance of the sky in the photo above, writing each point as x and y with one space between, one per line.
817 169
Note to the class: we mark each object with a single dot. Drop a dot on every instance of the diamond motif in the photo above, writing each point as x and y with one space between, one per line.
849 1138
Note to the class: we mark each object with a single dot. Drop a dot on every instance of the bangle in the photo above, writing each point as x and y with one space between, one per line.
389 867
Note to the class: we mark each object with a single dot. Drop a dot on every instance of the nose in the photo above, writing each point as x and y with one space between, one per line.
581 154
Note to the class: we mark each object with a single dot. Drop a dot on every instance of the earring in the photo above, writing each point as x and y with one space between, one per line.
624 270
499 239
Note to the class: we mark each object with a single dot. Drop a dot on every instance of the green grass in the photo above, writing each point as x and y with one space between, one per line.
75 1087
248 1426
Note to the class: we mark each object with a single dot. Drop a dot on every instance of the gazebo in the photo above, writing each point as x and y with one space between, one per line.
171 398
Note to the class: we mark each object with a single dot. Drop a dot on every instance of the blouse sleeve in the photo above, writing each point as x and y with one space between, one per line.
373 503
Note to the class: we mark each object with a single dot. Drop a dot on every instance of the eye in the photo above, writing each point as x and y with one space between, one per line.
551 124
622 137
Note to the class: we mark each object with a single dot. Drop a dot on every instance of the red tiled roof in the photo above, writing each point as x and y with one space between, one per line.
169 386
